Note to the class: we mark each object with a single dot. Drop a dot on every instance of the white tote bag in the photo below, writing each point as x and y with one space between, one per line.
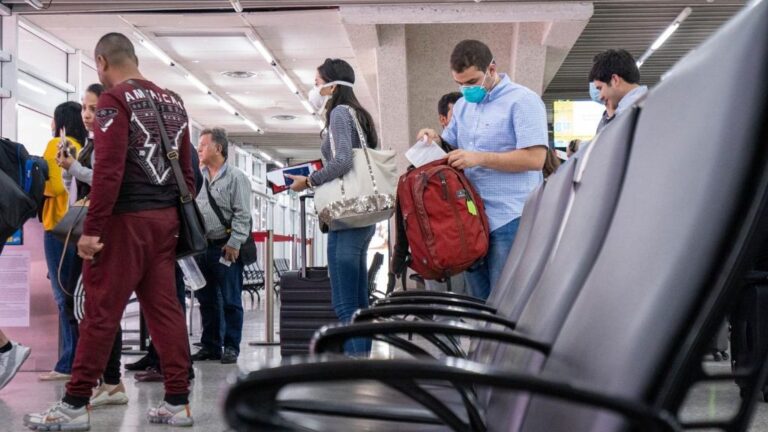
363 196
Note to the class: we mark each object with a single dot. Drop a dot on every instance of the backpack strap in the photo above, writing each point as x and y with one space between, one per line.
29 166
400 253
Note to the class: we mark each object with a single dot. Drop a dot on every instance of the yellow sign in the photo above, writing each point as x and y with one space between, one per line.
575 120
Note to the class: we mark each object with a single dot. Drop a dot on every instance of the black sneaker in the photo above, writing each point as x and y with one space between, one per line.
229 356
141 365
205 354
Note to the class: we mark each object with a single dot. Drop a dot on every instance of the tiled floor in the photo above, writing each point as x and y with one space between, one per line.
26 394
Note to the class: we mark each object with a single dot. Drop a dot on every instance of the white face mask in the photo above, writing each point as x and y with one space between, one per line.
317 100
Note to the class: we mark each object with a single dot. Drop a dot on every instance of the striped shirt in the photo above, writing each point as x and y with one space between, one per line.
231 189
345 138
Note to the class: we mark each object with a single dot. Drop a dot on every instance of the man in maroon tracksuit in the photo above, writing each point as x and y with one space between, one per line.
129 237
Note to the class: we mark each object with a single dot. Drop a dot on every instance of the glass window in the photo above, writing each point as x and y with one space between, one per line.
89 76
34 130
38 94
41 55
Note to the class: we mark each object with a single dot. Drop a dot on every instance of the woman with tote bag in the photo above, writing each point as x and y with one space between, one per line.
354 189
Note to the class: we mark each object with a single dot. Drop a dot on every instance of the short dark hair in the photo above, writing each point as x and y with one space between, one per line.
468 53
445 101
117 49
218 136
614 61
96 89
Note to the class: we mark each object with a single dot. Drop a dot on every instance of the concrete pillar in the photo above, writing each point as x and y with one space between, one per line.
429 49
392 71
529 55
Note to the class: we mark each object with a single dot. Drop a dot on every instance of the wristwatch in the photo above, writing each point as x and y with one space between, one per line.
309 184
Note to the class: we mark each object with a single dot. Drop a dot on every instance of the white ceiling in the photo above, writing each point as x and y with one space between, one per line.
209 44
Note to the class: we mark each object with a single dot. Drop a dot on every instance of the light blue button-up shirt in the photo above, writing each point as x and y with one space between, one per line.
511 117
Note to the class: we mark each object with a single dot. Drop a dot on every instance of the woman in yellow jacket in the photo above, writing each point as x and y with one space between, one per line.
67 118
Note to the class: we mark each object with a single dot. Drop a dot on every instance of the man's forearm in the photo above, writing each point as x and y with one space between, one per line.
528 159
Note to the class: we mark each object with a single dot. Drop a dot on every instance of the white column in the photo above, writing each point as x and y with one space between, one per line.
9 76
392 67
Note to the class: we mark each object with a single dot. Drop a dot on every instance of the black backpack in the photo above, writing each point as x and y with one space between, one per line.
29 172
22 180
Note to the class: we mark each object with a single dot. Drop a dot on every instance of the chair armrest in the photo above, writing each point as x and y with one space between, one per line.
363 315
433 300
331 338
422 293
251 403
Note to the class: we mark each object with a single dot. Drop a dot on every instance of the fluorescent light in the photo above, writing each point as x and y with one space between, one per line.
262 50
37 4
227 107
265 156
251 125
197 83
664 36
288 81
308 106
154 49
237 6
279 164
32 87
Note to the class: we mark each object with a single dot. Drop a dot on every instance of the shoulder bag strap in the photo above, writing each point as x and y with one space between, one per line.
172 155
215 206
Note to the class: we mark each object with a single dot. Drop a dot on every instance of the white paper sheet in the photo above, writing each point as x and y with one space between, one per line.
423 153
14 288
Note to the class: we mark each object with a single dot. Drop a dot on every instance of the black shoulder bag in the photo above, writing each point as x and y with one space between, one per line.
247 254
191 224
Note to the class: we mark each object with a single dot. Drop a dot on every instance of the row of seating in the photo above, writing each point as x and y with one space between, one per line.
624 267
253 277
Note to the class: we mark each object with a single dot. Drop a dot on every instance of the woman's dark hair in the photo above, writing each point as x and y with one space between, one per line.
573 145
96 89
67 115
339 70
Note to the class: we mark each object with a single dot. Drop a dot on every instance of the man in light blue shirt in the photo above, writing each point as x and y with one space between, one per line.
499 129
614 81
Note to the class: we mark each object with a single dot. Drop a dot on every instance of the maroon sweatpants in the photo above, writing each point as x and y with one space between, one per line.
138 256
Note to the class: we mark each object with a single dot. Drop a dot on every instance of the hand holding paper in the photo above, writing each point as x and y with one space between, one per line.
424 152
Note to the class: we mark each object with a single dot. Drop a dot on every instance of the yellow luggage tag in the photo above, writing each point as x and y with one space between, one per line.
471 207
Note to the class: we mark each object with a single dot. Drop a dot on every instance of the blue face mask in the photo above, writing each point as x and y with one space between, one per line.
475 93
594 93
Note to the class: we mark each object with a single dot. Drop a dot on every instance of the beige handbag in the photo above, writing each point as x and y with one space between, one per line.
363 196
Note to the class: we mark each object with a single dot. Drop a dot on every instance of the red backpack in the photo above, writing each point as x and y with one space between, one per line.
441 219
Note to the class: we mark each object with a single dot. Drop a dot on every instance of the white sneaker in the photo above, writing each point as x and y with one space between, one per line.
60 417
102 395
11 362
172 415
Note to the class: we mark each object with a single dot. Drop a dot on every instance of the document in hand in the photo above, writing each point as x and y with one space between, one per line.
279 182
424 152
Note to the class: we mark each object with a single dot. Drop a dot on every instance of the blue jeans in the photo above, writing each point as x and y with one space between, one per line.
347 265
222 320
484 278
67 324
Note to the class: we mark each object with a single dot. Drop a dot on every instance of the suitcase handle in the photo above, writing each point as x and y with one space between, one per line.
303 217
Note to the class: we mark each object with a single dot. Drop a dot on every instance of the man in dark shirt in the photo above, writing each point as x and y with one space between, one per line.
129 240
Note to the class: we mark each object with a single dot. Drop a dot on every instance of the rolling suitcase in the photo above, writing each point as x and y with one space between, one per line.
305 301
749 329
